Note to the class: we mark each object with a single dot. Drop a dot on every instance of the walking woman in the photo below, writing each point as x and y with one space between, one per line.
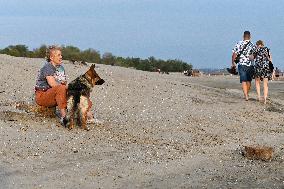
263 69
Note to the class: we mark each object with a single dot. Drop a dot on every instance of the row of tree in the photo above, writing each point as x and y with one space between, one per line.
90 55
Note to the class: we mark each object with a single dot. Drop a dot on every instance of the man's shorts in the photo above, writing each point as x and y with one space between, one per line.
246 72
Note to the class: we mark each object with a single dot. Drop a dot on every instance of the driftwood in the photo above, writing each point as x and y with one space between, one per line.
258 152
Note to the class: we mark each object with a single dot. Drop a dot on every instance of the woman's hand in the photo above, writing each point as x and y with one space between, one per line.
64 82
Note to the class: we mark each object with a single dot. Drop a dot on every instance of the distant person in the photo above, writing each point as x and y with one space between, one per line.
51 88
277 72
241 56
263 68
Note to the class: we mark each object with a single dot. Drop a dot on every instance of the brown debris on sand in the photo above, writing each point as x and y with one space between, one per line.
264 153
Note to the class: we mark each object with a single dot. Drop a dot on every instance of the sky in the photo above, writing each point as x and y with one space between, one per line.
200 32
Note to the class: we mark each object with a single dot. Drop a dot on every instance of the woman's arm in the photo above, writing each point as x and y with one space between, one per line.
270 56
51 81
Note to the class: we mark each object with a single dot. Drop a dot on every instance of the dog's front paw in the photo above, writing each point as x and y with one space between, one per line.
64 121
70 126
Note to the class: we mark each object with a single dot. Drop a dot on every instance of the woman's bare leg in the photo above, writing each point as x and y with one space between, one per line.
265 89
257 86
63 112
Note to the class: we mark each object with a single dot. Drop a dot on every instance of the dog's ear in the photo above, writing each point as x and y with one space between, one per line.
90 71
93 66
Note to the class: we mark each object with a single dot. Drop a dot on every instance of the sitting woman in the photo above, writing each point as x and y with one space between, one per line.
50 89
263 71
51 85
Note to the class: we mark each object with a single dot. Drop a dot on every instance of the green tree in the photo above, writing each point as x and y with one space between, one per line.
40 52
108 59
71 53
90 55
120 61
16 50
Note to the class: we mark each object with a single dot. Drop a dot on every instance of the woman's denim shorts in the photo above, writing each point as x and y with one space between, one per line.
246 72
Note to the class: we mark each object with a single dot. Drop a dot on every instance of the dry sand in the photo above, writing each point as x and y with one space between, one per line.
158 131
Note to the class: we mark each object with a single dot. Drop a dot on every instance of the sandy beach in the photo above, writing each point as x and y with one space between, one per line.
157 131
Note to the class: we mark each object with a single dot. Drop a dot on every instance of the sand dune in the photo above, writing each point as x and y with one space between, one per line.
158 131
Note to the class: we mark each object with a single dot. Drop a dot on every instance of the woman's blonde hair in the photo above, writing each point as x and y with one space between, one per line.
260 42
49 50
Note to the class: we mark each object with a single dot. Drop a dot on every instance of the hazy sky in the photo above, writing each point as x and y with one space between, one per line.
201 32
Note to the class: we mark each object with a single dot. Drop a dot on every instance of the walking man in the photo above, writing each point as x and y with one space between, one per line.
242 55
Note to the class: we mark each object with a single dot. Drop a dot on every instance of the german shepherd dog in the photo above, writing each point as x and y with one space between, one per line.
78 97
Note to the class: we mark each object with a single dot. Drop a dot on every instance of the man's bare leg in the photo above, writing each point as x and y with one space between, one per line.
245 89
248 85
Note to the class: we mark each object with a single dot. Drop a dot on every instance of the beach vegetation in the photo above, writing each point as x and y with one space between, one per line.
74 54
